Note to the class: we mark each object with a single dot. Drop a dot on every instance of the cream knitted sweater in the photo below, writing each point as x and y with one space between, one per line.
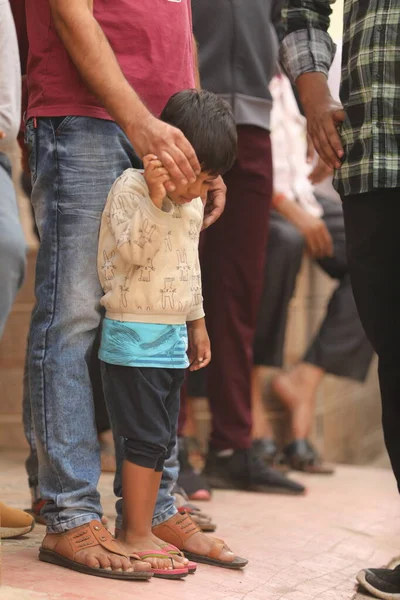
148 259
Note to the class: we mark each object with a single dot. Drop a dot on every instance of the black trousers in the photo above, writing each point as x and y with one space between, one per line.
372 224
146 408
340 346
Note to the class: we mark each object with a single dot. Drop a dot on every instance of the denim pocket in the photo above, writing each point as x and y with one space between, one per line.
31 144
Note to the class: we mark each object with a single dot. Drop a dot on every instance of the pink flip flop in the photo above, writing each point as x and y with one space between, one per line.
174 551
163 573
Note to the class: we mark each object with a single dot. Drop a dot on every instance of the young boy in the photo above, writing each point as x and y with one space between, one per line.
149 269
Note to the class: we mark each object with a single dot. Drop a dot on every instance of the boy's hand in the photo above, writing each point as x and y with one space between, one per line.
156 177
199 345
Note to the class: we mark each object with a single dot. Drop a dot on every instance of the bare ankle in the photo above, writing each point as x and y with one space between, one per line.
130 536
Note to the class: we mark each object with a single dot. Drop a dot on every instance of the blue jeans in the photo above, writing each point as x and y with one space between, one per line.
74 162
12 243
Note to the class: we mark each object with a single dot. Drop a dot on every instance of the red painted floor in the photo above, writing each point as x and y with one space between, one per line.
299 548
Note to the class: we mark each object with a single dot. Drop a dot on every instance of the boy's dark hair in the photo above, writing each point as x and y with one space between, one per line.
208 123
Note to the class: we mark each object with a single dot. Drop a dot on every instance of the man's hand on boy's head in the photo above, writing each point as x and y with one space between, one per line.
156 176
199 345
153 136
215 202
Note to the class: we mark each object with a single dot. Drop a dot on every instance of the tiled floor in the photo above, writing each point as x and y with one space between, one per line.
299 548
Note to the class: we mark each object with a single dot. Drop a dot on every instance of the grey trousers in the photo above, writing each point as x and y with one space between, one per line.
12 243
340 347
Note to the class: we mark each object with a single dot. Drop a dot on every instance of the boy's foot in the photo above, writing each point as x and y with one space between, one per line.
246 470
150 549
183 533
91 549
14 522
381 583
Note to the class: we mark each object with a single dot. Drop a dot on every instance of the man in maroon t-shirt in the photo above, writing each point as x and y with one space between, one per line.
97 74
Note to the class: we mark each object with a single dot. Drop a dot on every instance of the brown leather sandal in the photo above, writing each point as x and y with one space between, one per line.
180 528
86 536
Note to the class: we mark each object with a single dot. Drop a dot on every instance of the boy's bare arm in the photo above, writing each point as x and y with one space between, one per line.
94 58
199 344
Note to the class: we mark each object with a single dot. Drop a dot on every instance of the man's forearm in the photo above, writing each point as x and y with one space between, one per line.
95 61
311 84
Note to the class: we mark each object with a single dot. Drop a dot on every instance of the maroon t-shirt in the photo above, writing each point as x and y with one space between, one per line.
152 40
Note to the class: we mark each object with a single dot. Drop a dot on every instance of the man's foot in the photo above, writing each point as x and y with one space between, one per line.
381 583
184 534
91 549
245 470
14 522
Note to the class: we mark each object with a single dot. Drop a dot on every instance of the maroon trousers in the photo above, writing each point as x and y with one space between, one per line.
232 260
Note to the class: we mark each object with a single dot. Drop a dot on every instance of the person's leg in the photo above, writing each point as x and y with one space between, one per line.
74 162
165 505
340 347
284 255
232 265
12 243
103 428
147 421
13 522
372 232
373 251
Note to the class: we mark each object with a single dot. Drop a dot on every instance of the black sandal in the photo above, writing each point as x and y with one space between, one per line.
267 449
301 455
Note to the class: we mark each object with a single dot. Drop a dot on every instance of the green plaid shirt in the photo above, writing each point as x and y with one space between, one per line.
370 90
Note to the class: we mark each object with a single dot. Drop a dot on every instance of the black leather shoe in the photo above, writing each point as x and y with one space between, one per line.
381 583
246 470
